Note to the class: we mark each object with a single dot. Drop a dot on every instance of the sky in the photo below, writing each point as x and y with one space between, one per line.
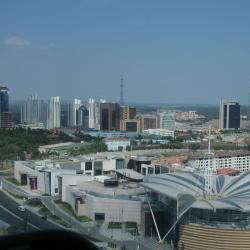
185 52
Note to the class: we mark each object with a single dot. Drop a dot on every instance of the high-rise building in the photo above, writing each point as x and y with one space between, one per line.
74 114
229 114
166 121
109 116
5 119
31 110
147 121
54 113
127 113
127 119
92 112
85 117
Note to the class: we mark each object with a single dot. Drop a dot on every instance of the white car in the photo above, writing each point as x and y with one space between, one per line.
21 208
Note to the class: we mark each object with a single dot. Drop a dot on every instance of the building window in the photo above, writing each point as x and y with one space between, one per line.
88 165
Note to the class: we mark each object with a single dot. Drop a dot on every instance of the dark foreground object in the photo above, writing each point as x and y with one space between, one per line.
47 239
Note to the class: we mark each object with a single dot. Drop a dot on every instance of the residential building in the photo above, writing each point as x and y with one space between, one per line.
147 121
229 117
159 132
74 113
92 114
238 160
31 110
127 113
109 116
54 113
166 121
115 144
5 118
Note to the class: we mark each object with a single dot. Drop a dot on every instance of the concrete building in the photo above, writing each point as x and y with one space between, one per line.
42 176
229 117
109 116
127 113
54 113
101 202
101 166
166 121
238 160
147 121
115 144
159 132
154 169
5 117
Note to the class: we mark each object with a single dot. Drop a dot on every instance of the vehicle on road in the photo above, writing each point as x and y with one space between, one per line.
21 208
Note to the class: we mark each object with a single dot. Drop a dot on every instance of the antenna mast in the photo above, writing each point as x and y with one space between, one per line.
121 97
209 168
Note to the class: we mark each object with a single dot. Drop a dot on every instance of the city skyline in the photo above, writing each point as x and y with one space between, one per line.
187 53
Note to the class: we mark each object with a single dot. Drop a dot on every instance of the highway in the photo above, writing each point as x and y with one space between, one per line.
9 213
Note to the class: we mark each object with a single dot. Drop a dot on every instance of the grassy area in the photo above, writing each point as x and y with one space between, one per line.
14 195
68 209
5 173
56 219
114 225
13 180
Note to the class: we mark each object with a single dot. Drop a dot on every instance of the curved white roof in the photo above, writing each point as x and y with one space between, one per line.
228 192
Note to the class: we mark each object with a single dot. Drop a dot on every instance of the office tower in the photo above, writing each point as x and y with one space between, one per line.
110 116
74 114
229 114
54 113
92 112
5 119
166 121
30 112
85 117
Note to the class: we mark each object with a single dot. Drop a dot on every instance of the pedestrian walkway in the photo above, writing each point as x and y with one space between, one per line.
115 234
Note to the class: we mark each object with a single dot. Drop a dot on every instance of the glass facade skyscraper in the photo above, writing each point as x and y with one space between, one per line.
229 114
5 120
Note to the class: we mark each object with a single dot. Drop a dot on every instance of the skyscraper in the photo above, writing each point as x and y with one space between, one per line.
229 114
54 113
109 116
85 117
5 119
74 114
92 112
31 110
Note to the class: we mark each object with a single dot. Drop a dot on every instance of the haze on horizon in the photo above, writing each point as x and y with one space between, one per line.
166 51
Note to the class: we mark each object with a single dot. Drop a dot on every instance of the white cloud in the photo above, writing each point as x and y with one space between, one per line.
17 42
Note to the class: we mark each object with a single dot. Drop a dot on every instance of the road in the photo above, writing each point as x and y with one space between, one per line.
14 220
12 213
